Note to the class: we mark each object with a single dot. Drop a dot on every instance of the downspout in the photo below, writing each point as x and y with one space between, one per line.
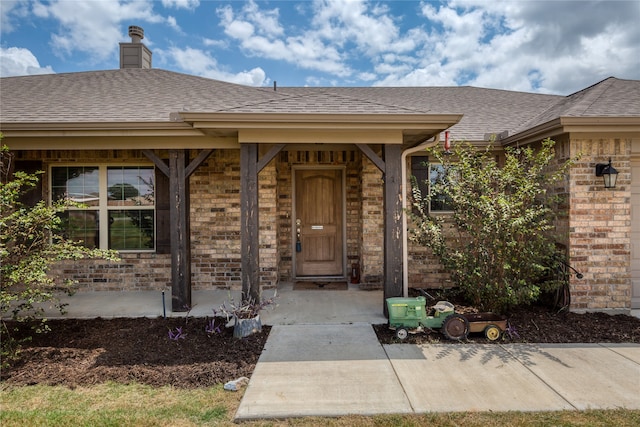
405 236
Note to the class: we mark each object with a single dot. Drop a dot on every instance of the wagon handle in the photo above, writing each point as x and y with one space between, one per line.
427 294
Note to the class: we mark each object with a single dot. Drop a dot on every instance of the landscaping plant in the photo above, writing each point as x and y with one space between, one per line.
30 242
497 243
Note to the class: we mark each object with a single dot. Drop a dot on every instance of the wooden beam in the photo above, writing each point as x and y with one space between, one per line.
371 155
250 239
200 158
180 231
160 164
269 156
392 223
178 170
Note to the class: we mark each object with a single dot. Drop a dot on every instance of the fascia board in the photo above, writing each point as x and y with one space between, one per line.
57 129
301 120
119 142
562 125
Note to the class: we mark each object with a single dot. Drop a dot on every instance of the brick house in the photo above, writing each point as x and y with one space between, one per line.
203 184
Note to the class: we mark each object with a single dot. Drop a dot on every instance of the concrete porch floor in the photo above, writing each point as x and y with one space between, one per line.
293 307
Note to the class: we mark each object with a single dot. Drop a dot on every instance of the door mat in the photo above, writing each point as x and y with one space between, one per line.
320 285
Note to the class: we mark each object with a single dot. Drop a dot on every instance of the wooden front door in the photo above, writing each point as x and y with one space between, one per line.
318 242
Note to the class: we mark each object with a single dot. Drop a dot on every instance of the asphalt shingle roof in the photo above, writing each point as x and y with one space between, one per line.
609 98
150 95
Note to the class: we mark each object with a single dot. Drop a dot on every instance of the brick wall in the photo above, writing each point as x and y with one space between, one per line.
268 217
215 222
372 226
600 225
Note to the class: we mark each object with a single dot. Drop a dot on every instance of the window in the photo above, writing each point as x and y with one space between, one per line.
427 174
439 202
120 203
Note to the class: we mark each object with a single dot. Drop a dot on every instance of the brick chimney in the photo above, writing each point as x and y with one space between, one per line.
135 54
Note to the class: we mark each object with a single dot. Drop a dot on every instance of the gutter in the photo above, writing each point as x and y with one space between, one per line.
405 237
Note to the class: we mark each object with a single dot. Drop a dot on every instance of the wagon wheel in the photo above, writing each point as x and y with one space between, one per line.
402 333
492 332
455 327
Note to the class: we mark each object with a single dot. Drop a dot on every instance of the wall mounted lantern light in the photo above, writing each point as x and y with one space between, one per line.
608 173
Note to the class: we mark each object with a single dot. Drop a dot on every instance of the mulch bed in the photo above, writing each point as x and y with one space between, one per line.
124 350
537 324
86 352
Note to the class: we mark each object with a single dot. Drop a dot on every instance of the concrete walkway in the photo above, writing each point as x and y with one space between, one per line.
334 370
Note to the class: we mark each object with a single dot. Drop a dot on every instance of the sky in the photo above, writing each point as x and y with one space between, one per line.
543 46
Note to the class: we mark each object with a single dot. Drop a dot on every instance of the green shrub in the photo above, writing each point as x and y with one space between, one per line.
29 245
498 243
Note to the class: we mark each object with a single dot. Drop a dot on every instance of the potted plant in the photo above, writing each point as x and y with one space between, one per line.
246 314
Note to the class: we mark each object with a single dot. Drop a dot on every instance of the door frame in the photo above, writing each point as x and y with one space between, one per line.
294 169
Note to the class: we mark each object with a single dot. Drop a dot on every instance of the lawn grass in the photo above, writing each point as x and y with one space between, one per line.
139 405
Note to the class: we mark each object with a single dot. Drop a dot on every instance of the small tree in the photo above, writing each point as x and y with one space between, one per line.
498 244
30 242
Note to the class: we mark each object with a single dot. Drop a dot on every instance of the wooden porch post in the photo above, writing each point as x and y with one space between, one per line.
178 171
250 167
250 239
180 235
392 223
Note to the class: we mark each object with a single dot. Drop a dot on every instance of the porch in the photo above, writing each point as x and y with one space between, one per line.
294 307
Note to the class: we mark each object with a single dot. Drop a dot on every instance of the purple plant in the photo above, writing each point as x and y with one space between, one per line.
175 335
212 328
511 331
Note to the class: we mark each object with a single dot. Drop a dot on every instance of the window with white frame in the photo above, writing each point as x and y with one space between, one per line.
119 205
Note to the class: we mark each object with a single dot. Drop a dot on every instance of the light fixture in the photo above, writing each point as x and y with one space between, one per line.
608 173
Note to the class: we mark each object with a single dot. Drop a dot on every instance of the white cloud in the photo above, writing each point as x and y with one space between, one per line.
171 21
181 4
94 27
15 61
551 47
258 33
10 9
373 31
215 43
198 62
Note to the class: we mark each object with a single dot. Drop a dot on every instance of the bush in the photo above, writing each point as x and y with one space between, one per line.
498 243
29 243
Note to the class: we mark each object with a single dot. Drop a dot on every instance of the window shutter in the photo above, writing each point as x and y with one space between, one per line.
163 224
34 195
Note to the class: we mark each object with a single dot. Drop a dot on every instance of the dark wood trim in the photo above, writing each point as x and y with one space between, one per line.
371 155
178 170
163 219
269 156
195 163
160 164
250 239
180 231
33 195
392 223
